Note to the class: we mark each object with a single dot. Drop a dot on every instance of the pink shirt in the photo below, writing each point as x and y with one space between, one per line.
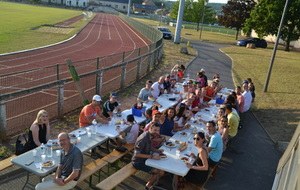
241 102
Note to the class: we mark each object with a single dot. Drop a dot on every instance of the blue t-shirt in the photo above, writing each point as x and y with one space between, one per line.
216 143
167 127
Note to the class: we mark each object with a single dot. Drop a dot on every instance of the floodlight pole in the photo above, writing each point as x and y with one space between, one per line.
275 46
179 22
128 9
205 2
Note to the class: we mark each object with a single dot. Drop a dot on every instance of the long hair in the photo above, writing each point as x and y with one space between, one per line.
39 115
167 110
180 110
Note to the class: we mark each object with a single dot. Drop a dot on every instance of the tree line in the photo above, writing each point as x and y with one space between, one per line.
262 16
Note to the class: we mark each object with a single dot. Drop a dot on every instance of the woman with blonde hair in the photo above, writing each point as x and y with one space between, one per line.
39 131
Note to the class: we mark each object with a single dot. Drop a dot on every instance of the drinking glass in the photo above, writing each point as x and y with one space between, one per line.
58 153
43 156
34 152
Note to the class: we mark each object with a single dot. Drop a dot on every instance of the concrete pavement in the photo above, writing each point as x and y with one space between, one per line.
253 160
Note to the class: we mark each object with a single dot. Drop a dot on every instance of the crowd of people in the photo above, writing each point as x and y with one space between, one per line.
158 127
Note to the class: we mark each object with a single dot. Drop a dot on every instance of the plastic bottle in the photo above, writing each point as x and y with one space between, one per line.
94 128
42 148
49 149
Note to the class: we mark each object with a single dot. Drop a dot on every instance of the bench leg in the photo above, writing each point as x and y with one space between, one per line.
214 173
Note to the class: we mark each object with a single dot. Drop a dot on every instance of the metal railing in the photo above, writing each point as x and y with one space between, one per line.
51 88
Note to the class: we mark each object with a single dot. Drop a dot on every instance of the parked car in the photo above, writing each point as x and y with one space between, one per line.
258 42
166 32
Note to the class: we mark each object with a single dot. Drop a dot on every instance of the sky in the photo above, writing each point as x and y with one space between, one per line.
218 1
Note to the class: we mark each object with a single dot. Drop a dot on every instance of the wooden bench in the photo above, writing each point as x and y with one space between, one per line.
117 178
91 169
211 174
114 157
6 163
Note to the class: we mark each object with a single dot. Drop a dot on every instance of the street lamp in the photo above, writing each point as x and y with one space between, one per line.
203 14
161 12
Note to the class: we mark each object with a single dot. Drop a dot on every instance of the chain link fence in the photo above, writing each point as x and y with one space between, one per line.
51 88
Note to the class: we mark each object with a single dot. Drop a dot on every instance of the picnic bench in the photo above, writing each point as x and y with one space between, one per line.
117 178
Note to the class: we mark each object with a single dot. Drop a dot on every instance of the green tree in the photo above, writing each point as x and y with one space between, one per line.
235 13
193 11
265 20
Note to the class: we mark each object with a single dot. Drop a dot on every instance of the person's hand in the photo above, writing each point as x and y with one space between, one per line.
156 157
189 165
193 155
59 181
160 151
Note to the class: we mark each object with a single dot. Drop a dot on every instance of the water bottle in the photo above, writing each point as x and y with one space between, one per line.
49 149
94 129
42 148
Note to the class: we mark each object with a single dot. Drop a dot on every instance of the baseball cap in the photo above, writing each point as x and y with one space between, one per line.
154 112
115 95
216 80
245 82
202 70
184 84
97 98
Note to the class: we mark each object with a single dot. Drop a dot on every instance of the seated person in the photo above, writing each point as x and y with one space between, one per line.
210 92
201 79
191 87
185 93
223 130
130 134
92 111
110 105
167 122
167 84
157 88
69 167
145 92
199 170
157 139
143 151
215 146
233 120
181 118
39 131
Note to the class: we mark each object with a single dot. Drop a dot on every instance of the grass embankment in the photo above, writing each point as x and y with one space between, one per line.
279 108
18 22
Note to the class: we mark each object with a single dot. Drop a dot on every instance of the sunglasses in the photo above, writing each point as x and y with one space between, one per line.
197 139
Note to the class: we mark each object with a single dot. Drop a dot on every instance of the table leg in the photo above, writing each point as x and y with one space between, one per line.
27 184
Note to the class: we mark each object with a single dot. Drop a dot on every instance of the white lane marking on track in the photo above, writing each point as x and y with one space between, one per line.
56 50
72 52
108 28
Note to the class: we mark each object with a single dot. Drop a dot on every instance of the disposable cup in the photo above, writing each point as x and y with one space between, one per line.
34 152
43 156
89 134
58 153
78 139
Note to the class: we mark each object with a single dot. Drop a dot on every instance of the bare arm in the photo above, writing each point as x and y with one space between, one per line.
35 134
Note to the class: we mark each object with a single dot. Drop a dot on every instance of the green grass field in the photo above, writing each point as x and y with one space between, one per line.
18 20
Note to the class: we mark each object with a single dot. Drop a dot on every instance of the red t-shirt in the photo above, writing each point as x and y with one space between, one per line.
209 92
88 110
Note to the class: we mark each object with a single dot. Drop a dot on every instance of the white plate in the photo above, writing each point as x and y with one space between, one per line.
79 132
48 164
173 144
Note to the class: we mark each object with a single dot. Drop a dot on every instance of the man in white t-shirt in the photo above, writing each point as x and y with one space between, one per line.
157 88
247 96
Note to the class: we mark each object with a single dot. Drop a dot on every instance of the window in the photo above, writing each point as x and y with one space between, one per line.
124 7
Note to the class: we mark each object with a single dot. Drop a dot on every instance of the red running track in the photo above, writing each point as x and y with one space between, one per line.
104 35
